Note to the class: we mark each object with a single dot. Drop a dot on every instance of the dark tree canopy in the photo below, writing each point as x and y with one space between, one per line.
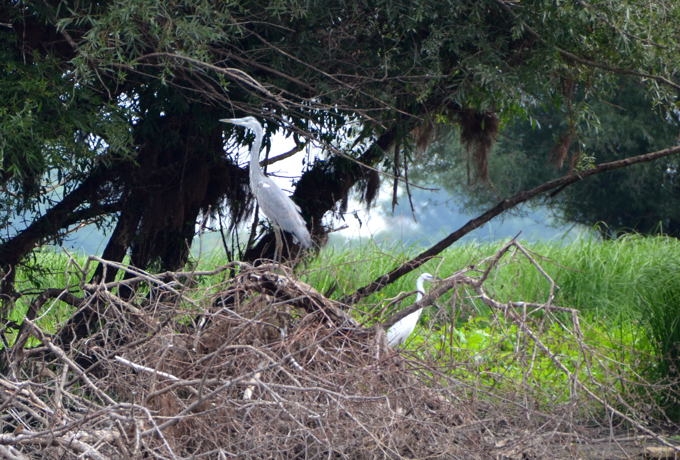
642 198
110 109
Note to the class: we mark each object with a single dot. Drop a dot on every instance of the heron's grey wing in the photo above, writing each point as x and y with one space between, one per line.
283 212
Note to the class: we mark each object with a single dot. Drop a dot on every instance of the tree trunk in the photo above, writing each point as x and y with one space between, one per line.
180 171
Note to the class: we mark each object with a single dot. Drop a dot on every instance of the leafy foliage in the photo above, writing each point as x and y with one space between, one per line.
642 198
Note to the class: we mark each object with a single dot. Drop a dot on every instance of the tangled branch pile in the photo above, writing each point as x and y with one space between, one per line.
260 366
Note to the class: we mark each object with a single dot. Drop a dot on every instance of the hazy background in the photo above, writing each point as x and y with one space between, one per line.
437 213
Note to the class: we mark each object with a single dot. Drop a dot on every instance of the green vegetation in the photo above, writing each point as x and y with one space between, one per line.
600 277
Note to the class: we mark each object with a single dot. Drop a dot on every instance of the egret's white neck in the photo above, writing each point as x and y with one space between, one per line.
420 289
255 170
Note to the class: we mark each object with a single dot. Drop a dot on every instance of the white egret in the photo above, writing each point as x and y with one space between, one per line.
399 331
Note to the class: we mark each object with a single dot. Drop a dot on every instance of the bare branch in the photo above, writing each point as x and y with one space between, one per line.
501 207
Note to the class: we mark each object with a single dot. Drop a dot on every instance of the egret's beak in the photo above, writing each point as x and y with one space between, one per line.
227 120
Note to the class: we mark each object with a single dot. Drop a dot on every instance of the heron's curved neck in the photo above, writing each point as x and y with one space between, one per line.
420 289
255 152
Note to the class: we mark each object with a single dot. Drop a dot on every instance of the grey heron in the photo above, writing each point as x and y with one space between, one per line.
274 203
399 331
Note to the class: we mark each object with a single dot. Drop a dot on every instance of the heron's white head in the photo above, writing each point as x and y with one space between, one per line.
420 290
424 277
248 122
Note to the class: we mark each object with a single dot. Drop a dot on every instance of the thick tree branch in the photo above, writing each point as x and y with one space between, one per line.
59 216
35 306
501 207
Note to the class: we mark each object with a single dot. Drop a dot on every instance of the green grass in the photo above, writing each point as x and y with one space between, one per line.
606 279
47 269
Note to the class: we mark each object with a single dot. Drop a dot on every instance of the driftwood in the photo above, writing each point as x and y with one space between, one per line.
260 365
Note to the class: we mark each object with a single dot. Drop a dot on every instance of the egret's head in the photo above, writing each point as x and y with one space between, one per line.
248 122
421 280
427 277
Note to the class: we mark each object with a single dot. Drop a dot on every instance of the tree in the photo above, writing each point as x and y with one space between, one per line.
110 108
643 198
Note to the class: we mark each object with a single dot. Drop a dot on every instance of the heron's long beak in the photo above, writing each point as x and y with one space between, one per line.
227 120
